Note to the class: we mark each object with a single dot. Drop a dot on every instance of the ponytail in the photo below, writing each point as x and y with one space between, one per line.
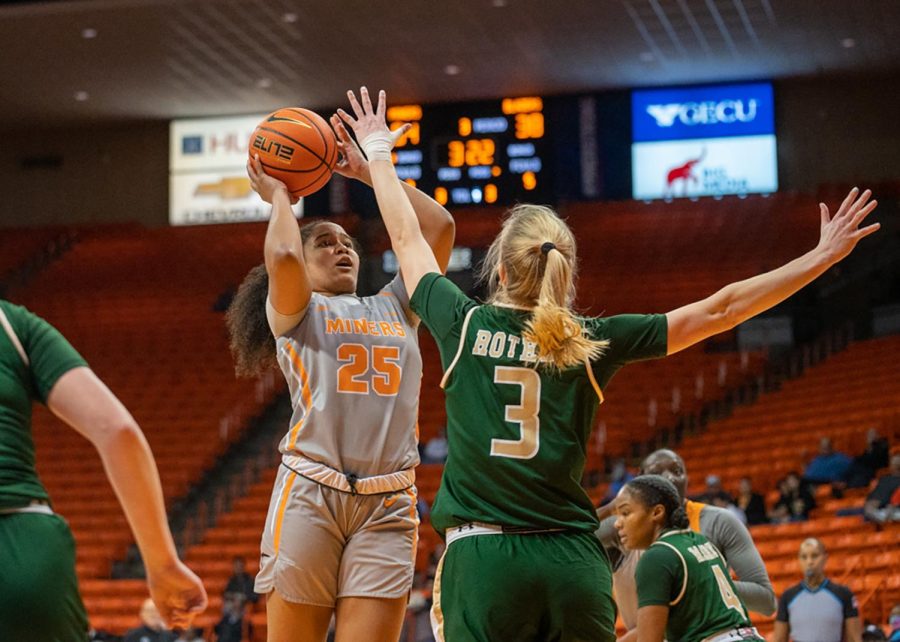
679 519
560 338
537 251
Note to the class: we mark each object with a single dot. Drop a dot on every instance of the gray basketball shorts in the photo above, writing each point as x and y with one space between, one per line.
321 544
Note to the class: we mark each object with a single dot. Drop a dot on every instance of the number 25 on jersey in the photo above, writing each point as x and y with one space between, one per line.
364 367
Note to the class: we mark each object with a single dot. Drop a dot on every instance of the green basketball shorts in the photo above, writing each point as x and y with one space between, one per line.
493 586
39 599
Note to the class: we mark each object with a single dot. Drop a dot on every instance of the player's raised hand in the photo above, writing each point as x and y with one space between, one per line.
370 126
839 234
263 184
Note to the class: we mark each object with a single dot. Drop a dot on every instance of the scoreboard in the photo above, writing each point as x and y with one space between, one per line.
619 144
475 153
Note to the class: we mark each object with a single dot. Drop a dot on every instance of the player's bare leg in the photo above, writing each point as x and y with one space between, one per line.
287 621
371 619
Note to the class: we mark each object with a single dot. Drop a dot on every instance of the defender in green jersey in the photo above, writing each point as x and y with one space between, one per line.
39 599
685 593
523 377
518 436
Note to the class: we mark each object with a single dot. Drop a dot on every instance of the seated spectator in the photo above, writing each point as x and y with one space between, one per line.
435 451
828 466
873 458
241 582
894 624
233 626
753 504
722 501
153 627
817 609
779 513
618 477
796 500
883 503
714 492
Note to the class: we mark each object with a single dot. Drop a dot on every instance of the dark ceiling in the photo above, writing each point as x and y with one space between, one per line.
100 60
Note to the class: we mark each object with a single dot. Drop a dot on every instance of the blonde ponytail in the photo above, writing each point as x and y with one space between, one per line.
560 338
537 251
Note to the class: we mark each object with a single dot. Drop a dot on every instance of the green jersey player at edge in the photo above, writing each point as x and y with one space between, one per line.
685 593
523 377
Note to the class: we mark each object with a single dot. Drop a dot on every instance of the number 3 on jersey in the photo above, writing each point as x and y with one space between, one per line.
383 364
525 414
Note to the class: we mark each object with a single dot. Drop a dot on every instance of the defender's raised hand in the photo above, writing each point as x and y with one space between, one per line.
840 234
370 126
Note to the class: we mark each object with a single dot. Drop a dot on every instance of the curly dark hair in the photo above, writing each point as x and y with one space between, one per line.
652 490
251 341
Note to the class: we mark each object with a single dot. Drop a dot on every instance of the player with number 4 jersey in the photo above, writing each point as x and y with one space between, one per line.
685 593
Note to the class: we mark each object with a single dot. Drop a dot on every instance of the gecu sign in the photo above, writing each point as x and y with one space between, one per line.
704 113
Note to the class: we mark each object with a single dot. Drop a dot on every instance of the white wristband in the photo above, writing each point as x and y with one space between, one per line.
378 146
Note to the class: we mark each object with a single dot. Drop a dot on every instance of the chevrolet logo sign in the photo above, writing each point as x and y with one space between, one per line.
228 188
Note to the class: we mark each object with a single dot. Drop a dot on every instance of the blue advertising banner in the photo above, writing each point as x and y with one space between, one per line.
715 111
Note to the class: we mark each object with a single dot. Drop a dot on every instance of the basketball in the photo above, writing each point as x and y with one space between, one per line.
297 147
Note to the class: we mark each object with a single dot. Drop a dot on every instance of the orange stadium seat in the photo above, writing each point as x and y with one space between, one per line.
138 304
613 281
772 434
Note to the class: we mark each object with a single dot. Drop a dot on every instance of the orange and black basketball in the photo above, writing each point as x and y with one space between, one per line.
297 147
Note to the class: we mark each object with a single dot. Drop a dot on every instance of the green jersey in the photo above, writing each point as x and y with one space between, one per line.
518 434
684 571
48 356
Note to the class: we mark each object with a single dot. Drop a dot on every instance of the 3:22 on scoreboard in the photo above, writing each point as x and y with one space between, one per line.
490 152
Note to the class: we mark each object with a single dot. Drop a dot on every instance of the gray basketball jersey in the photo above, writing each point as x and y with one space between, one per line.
354 372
